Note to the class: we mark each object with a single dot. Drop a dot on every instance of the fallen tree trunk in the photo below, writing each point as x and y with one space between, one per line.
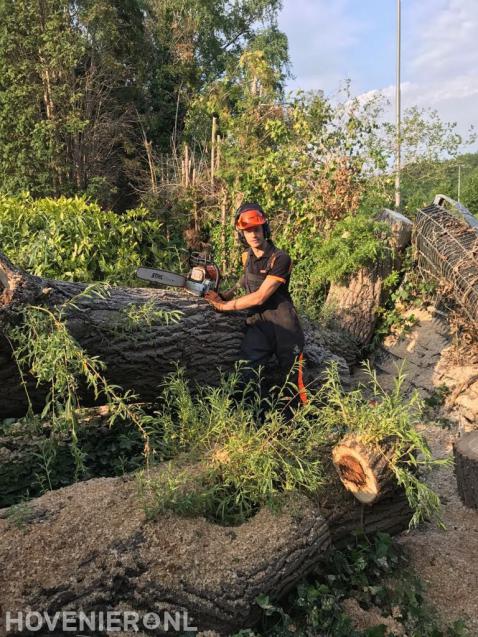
89 547
204 342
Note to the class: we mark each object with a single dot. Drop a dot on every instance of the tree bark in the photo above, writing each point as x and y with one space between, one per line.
204 342
89 546
466 468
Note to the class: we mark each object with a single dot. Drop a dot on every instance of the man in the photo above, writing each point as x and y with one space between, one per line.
273 326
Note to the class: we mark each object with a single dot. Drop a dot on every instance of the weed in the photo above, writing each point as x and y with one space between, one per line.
240 466
46 455
43 345
374 574
407 289
437 397
138 319
387 416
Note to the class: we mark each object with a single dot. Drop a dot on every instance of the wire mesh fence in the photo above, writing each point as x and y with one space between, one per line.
446 249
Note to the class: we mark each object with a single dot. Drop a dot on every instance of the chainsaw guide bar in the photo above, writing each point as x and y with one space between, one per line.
161 276
202 277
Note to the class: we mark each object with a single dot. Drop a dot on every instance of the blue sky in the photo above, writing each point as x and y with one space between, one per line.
334 40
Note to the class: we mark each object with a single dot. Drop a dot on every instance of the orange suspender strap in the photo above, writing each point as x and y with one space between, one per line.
300 381
272 260
244 256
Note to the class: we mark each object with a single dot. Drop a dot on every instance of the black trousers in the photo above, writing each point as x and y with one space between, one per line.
265 339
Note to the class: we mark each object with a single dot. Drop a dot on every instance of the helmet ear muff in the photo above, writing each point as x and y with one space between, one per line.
265 228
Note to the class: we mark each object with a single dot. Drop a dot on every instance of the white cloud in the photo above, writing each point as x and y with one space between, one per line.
441 59
444 41
329 43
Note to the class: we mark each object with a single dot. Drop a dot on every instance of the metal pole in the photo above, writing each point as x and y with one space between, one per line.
397 108
459 182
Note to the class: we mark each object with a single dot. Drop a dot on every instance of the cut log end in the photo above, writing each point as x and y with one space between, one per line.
466 468
10 278
363 469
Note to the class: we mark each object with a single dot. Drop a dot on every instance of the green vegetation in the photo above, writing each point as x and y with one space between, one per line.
249 451
36 459
85 84
77 241
407 289
242 465
126 126
423 179
368 575
249 454
43 346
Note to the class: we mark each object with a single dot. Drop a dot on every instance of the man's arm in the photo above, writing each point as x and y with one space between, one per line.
267 289
229 294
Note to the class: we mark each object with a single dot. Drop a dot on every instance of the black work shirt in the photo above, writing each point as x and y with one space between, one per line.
280 266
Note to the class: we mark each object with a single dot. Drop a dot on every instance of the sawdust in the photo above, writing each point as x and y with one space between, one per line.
364 619
445 559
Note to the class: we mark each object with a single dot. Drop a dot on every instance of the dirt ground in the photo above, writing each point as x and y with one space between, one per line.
445 559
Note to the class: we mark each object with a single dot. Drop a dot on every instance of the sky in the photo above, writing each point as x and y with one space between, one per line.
334 40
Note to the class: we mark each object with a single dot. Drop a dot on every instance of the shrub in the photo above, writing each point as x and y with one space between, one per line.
71 239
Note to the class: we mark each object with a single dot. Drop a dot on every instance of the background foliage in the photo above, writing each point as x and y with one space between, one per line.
78 241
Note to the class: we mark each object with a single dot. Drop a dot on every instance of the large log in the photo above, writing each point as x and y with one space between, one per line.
364 469
88 546
204 341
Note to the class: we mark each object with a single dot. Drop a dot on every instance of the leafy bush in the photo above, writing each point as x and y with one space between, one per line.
388 415
354 242
246 451
36 459
43 347
75 240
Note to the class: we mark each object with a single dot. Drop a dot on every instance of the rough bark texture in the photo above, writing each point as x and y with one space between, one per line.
204 341
354 303
466 468
364 469
89 546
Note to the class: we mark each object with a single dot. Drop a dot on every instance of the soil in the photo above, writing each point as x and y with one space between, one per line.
446 559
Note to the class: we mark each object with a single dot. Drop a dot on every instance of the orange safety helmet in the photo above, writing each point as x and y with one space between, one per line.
250 215
249 219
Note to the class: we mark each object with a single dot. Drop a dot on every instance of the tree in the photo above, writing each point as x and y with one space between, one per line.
68 79
38 52
86 83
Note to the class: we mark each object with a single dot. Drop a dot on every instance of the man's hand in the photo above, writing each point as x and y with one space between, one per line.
215 300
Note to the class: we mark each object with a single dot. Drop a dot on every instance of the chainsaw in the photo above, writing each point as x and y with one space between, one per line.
203 275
